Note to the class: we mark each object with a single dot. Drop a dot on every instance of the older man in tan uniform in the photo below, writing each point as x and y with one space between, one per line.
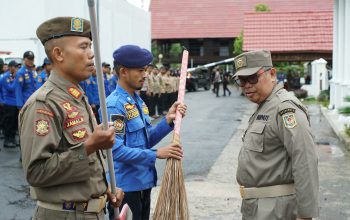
61 142
277 165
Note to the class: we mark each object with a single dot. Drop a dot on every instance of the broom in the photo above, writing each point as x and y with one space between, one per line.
172 199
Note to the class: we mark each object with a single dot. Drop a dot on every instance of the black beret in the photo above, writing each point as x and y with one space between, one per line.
63 26
132 56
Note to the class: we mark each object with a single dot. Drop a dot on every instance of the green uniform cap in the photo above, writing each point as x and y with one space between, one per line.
63 26
251 62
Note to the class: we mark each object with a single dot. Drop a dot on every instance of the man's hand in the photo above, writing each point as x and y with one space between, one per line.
170 151
170 117
115 199
100 139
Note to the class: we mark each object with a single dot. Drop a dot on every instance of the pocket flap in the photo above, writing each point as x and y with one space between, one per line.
257 128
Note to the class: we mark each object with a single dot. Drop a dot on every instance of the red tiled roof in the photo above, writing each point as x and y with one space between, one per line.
176 19
288 31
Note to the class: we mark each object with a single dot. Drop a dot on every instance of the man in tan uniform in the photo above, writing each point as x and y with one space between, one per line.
277 165
61 142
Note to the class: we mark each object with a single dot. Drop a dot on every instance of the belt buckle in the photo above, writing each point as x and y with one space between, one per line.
242 192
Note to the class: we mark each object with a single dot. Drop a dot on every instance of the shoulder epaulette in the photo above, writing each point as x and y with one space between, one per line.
43 92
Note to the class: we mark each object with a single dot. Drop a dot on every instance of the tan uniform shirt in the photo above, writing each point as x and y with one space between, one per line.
155 84
278 148
161 83
53 125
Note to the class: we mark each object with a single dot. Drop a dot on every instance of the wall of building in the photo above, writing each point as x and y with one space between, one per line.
340 83
120 23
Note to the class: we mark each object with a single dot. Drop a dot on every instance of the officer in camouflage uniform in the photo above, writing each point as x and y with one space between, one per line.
277 165
61 142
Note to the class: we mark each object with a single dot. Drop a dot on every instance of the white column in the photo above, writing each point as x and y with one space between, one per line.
347 47
334 80
341 27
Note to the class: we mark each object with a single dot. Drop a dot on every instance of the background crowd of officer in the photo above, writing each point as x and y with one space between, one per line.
19 81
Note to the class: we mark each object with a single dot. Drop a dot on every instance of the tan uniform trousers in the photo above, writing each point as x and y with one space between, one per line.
48 214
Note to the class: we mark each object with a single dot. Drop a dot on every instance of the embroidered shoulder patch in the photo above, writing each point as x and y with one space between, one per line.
287 110
118 123
289 120
44 112
41 127
79 134
131 111
74 92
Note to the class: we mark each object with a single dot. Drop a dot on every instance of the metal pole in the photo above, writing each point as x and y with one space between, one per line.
101 93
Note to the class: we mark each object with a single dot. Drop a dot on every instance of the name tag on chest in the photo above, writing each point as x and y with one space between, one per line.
262 117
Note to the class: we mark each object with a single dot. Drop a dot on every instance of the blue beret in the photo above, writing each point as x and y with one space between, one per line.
132 56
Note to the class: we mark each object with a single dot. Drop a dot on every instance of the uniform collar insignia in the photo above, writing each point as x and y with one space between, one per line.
74 92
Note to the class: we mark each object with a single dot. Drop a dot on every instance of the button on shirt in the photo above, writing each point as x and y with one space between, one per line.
134 160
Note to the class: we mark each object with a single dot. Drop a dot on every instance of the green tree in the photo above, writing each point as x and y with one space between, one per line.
238 44
262 8
155 49
175 50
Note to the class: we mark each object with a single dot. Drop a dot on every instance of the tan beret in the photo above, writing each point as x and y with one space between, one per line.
63 26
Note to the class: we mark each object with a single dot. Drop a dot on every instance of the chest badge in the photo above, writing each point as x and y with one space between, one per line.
79 134
131 111
74 92
118 123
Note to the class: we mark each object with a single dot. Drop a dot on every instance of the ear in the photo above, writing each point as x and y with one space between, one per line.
273 74
57 54
122 72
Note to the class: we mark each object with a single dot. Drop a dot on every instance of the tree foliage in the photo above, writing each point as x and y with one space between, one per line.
238 44
262 8
175 50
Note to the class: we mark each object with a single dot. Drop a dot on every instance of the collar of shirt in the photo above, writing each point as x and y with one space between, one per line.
68 87
128 97
275 89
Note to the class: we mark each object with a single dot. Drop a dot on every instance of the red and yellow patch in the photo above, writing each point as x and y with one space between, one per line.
74 122
41 127
74 92
44 112
79 134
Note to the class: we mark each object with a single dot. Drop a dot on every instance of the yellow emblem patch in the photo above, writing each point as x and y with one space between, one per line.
41 127
74 92
79 134
77 25
67 106
74 122
240 62
72 115
131 111
20 79
289 120
145 109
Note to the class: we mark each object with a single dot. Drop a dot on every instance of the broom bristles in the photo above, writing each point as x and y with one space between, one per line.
172 199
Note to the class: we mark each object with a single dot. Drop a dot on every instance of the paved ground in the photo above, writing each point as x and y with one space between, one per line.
211 137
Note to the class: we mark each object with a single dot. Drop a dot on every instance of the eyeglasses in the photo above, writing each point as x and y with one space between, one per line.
252 79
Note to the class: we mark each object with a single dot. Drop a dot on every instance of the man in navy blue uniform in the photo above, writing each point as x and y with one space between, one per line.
91 90
45 73
25 81
134 160
10 111
113 81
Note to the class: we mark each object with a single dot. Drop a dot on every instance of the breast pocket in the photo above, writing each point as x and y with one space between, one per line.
135 133
254 139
